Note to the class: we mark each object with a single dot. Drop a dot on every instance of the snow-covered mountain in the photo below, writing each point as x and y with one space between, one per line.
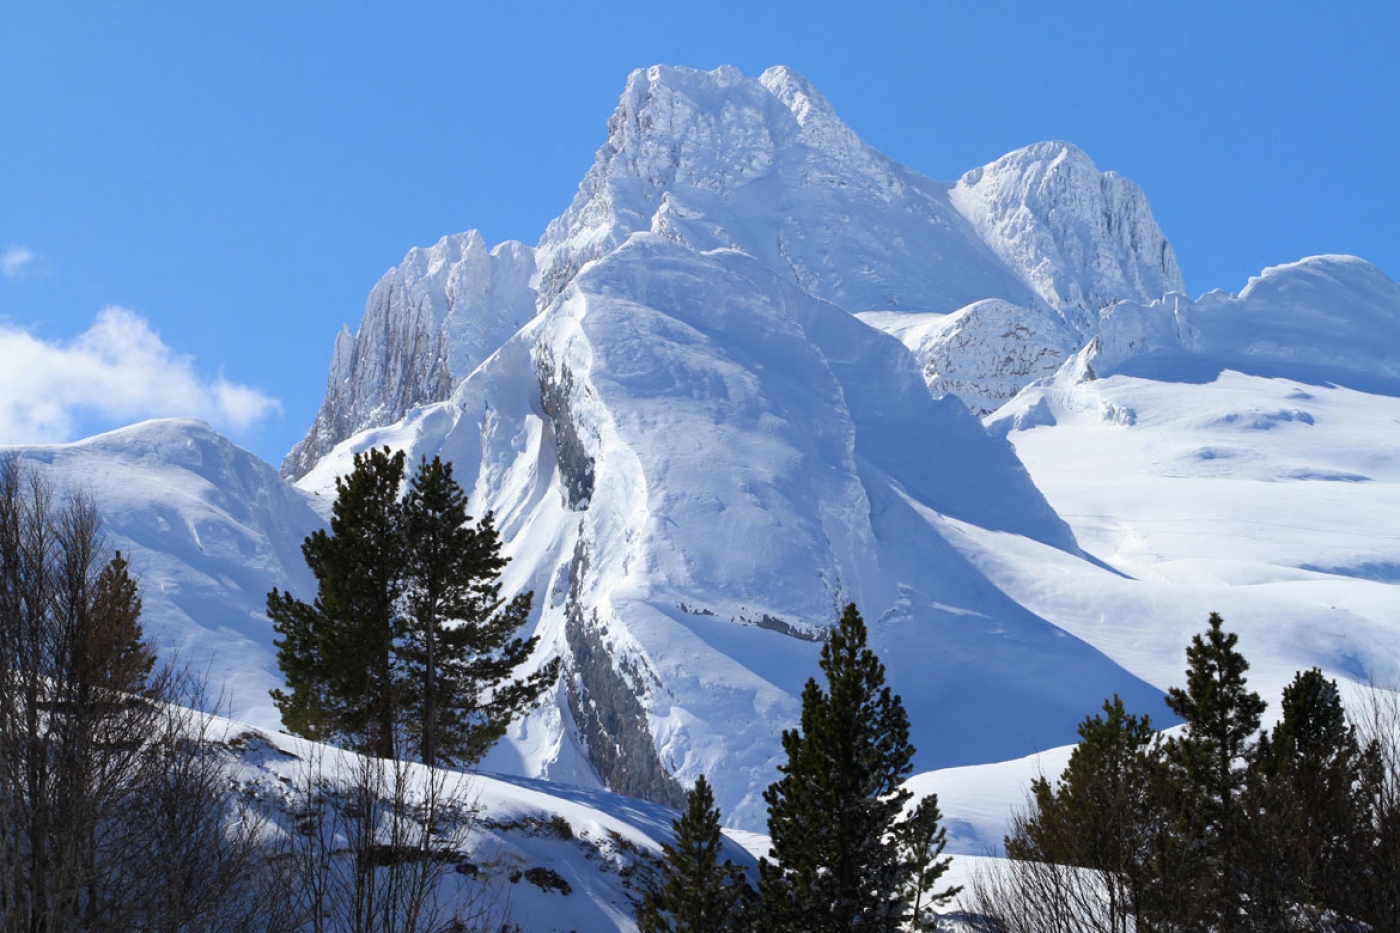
736 385
671 403
716 160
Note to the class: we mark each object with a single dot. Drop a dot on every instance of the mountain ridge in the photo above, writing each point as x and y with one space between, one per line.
715 160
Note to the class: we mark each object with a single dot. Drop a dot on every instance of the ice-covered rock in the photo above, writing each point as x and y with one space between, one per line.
427 324
1081 238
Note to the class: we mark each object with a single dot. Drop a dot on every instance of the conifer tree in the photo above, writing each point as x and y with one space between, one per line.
1208 768
1222 719
1104 816
697 892
921 839
834 814
338 653
1308 823
461 646
409 645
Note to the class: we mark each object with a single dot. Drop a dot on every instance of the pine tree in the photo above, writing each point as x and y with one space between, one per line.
921 839
1307 823
1103 817
833 816
1222 719
338 653
461 646
1208 765
697 893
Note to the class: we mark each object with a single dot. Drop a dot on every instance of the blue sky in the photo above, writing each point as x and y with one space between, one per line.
194 197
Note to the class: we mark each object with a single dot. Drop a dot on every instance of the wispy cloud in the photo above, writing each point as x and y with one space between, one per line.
16 262
118 370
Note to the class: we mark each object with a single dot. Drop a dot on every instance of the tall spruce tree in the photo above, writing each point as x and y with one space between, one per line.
1222 721
1308 822
833 816
409 646
697 893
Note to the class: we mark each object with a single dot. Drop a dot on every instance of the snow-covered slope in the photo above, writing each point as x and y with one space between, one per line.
1233 454
208 529
699 464
524 854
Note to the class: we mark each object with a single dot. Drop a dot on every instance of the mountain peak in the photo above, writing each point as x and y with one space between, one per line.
1080 237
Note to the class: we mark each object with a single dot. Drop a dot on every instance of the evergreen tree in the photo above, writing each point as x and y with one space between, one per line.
1307 825
461 646
338 653
1222 719
112 654
1105 817
1097 816
697 893
921 839
833 816
1208 767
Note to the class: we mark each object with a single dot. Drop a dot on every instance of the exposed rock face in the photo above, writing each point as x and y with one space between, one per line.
1080 238
428 323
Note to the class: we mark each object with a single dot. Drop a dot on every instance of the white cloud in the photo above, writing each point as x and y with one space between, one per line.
15 262
117 371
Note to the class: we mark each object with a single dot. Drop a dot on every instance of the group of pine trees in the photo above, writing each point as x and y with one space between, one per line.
847 852
409 648
1217 826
